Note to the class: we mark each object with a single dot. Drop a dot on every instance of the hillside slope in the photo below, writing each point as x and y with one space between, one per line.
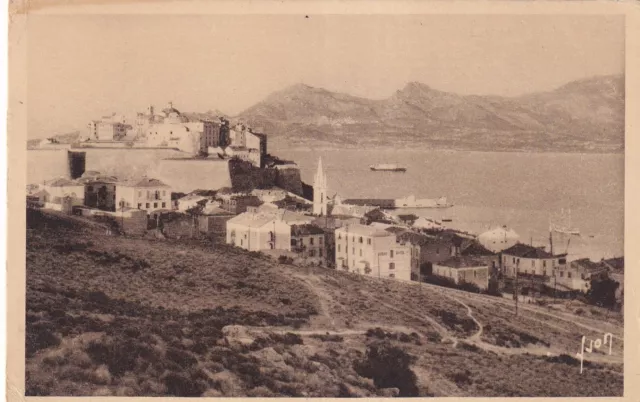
108 315
584 115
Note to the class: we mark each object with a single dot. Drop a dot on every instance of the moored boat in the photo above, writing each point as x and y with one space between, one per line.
387 167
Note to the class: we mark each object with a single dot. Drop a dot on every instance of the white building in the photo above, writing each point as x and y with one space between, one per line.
62 194
498 239
320 191
373 252
190 201
257 231
109 128
147 194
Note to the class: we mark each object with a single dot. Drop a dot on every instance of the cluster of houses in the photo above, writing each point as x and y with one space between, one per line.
356 238
170 128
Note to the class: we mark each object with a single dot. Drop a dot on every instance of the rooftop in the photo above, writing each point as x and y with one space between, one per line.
588 266
476 249
143 182
363 230
306 229
61 182
527 251
461 262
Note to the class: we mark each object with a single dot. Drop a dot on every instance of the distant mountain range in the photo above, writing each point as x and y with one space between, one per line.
582 116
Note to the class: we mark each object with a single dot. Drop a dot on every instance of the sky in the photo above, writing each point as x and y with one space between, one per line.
83 67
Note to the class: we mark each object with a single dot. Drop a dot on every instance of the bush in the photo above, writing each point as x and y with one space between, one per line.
39 336
328 337
388 366
179 384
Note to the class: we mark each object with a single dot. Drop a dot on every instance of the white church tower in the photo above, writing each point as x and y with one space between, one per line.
320 191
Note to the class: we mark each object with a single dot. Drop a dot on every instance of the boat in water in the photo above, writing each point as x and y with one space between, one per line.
387 167
413 202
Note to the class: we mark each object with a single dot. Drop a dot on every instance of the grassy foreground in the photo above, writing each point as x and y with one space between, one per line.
108 315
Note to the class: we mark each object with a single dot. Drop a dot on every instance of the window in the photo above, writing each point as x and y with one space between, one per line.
147 205
353 250
312 253
320 252
369 241
392 266
391 253
562 261
139 193
360 239
139 205
320 241
164 205
568 274
155 205
392 275
89 188
164 192
339 236
360 253
293 242
544 264
514 260
533 263
582 276
302 242
475 274
338 248
241 242
561 274
311 241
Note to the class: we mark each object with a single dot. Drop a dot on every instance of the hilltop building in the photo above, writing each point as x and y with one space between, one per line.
320 191
109 128
308 241
425 251
150 195
247 145
99 190
371 251
529 260
463 269
254 231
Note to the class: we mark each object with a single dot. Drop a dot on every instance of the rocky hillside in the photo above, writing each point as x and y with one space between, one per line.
114 316
584 115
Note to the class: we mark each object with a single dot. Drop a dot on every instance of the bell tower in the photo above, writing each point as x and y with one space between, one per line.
320 191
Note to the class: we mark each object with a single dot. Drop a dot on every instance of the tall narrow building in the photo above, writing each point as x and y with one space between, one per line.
320 191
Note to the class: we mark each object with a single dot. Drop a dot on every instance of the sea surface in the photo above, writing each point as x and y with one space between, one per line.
524 191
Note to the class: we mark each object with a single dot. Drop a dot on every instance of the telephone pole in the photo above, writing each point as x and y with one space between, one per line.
516 287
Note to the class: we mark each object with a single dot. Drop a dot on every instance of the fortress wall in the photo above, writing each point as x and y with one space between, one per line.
290 180
186 175
44 164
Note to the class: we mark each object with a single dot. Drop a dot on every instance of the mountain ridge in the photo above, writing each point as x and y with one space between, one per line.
582 115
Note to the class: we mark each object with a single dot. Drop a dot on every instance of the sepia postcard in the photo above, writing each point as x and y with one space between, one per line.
323 199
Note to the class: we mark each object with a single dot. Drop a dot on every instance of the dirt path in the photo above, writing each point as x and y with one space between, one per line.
477 335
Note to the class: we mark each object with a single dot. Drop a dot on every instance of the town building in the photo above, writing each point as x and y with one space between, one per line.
480 253
529 260
498 239
616 272
238 203
110 128
462 269
255 232
371 252
99 191
190 201
62 194
172 129
247 145
308 241
577 275
426 250
320 191
150 195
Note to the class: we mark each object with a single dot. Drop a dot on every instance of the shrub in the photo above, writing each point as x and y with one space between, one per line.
179 384
180 357
579 311
39 336
388 366
328 337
